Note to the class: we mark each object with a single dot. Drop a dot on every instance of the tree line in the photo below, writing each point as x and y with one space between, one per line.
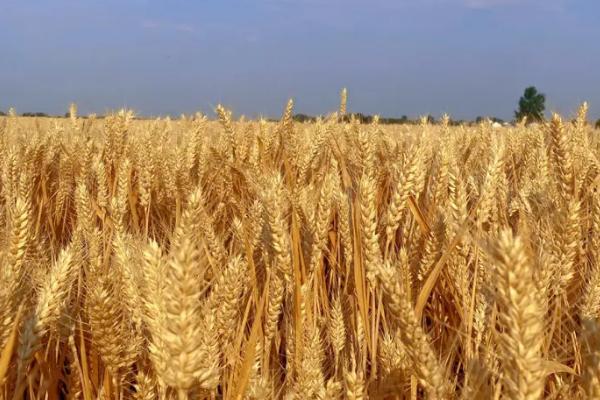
403 120
530 109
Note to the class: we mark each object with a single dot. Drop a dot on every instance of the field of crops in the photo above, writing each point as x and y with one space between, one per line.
193 259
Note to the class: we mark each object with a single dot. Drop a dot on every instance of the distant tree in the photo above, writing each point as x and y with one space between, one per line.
366 119
362 118
531 105
303 118
34 114
598 124
2 114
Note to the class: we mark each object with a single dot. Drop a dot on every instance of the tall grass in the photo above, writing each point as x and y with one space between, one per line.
230 259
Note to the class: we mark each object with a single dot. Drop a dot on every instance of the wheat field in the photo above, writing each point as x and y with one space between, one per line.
199 259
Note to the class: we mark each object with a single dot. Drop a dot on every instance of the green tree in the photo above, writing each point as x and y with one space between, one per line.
531 105
34 114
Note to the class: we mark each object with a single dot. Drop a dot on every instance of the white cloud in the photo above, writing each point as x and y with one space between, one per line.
477 4
165 25
489 3
485 4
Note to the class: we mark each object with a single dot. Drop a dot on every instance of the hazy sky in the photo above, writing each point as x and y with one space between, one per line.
464 57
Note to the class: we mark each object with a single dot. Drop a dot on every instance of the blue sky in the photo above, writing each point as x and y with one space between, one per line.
464 57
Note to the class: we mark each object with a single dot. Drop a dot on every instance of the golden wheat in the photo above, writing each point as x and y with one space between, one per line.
237 259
